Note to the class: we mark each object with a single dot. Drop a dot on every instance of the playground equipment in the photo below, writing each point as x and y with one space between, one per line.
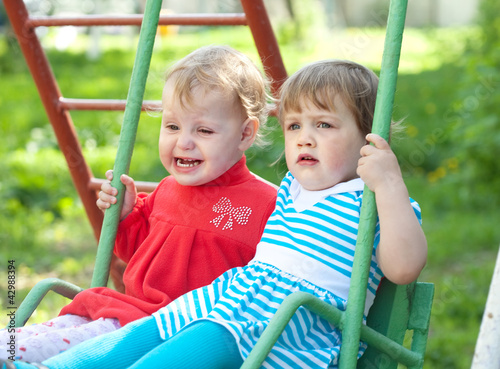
396 310
487 353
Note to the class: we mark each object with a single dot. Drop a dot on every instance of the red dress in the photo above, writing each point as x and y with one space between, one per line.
180 238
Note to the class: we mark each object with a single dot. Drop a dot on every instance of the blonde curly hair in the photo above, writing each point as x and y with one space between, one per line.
227 70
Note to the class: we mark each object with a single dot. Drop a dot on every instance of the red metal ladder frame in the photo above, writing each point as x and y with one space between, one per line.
58 107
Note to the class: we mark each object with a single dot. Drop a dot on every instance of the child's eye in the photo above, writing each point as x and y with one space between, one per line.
205 131
324 125
293 126
172 126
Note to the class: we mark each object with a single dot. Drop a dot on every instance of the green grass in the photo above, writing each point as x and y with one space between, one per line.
43 225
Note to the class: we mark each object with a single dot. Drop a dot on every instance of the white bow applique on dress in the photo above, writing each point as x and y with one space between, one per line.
226 210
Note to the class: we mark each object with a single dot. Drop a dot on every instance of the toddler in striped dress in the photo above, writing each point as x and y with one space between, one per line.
326 111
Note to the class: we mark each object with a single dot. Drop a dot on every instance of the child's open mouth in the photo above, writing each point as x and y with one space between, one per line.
187 163
306 159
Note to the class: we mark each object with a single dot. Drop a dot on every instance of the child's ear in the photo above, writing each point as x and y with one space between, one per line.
248 133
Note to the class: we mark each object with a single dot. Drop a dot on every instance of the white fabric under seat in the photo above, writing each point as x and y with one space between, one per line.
38 342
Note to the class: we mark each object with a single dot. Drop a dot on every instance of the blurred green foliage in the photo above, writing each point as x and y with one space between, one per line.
445 160
473 122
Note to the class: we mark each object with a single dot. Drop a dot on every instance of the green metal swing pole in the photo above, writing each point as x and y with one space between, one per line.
127 139
353 317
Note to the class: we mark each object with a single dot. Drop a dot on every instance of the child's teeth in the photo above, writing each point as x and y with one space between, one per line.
185 163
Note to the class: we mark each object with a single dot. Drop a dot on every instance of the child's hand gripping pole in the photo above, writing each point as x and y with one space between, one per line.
131 116
353 317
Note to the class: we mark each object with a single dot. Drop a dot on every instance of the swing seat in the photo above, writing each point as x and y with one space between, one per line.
397 312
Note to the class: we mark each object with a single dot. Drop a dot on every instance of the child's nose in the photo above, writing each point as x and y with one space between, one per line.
185 141
306 138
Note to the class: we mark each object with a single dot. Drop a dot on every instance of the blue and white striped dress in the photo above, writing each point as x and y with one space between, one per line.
307 245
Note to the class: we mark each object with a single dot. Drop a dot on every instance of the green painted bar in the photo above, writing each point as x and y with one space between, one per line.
37 293
381 125
280 320
127 139
331 313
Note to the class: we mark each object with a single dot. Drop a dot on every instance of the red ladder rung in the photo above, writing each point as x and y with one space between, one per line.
142 186
104 104
118 105
227 19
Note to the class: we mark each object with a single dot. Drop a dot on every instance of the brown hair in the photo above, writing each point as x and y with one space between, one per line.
321 81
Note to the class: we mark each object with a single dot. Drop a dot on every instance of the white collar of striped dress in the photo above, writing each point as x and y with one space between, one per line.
304 199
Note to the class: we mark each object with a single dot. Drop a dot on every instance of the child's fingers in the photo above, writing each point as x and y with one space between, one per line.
108 189
377 141
105 199
109 174
367 150
128 182
102 205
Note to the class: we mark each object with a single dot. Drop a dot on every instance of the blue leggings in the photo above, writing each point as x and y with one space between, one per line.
138 345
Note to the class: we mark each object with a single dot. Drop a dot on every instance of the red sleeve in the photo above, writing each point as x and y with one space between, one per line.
134 228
